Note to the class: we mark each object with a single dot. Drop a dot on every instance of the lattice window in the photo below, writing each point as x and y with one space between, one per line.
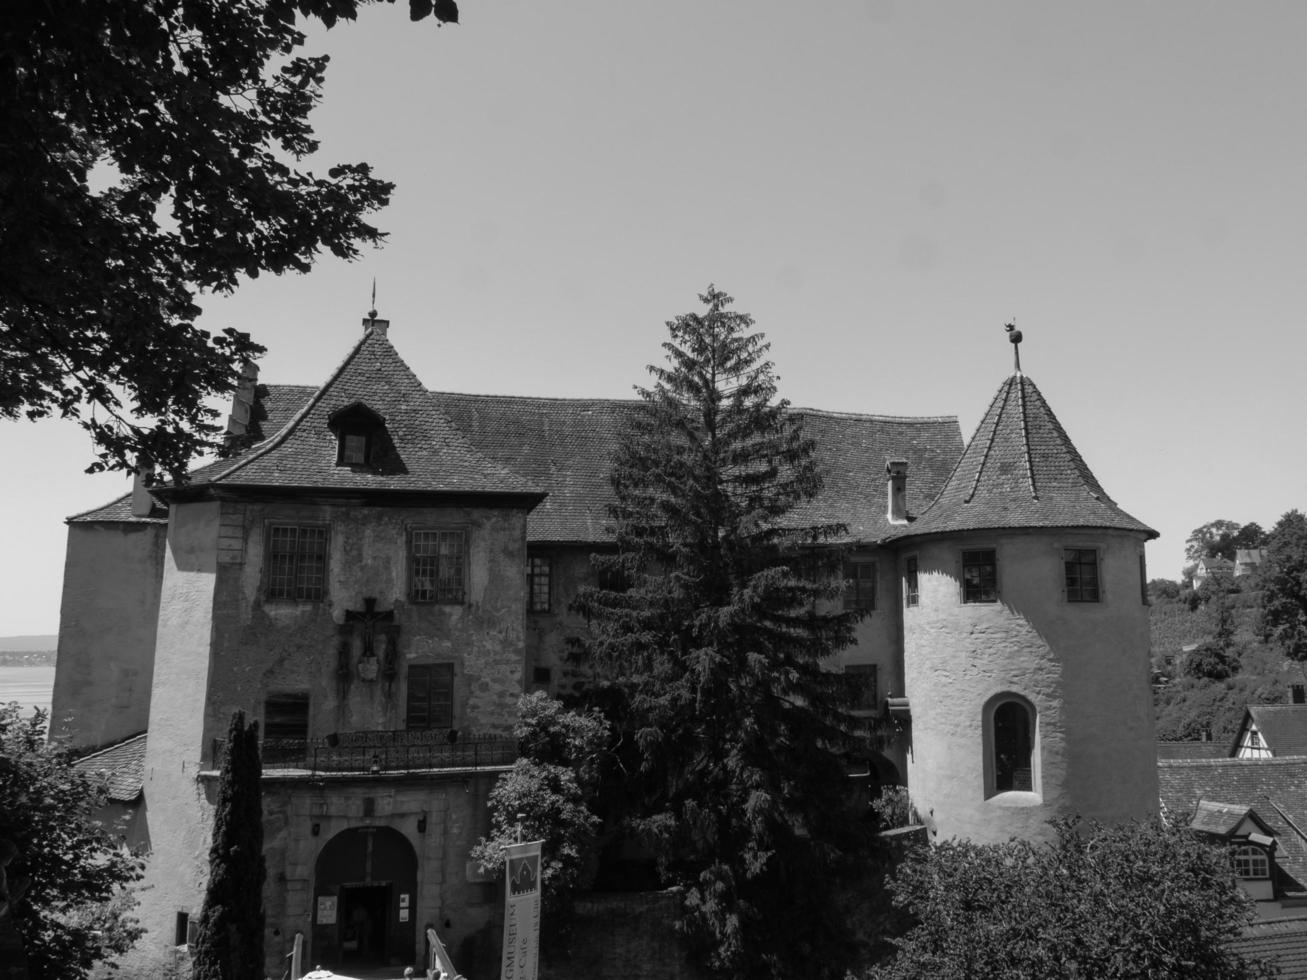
297 562
538 574
860 585
430 696
911 584
1081 566
980 575
1250 861
437 565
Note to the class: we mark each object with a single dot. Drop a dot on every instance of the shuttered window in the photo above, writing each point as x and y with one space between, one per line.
430 696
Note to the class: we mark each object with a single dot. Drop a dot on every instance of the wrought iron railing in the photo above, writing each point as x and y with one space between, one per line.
381 752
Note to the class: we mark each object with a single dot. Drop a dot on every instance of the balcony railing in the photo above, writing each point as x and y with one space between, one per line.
382 752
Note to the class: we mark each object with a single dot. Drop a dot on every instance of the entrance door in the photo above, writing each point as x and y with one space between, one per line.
365 890
365 921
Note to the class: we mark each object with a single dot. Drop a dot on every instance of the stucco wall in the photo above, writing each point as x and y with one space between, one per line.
1083 666
107 620
264 645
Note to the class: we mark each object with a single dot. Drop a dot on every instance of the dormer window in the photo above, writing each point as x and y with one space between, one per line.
357 428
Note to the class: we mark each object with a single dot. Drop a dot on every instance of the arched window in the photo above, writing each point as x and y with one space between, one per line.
1250 861
1011 746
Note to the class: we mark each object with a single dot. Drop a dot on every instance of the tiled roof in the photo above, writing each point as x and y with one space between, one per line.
1275 788
427 454
123 765
1192 750
566 445
120 512
1020 470
1283 727
1283 941
1222 819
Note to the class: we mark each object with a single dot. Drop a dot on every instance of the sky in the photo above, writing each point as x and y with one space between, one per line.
882 185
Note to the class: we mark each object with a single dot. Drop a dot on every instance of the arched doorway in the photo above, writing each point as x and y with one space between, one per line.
365 899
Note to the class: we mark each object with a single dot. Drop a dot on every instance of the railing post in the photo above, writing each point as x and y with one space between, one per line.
297 957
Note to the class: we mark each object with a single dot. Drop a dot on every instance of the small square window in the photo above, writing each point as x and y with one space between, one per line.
296 562
980 575
911 592
860 585
1081 566
437 565
538 569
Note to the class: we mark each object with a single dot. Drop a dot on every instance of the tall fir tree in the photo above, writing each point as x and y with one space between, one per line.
715 626
229 945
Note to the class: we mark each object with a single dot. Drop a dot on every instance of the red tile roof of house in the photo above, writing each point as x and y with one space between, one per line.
1282 941
1021 470
1275 788
122 765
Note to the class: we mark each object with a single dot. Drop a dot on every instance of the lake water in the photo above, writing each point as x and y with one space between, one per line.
29 686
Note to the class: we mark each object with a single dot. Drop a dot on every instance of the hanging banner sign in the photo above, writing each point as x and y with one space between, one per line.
521 911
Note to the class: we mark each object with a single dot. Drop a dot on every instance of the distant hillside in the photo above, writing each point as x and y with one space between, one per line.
49 641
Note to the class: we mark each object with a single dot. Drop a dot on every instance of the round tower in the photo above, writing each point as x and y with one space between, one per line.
1025 638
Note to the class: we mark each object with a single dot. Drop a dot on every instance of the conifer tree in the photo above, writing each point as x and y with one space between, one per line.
719 653
229 945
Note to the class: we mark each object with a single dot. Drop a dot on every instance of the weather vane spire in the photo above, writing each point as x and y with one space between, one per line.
372 313
1014 335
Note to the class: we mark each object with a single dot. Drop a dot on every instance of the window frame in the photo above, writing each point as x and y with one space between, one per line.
994 785
280 587
437 597
1073 557
965 587
535 603
858 596
443 671
911 582
1247 851
869 689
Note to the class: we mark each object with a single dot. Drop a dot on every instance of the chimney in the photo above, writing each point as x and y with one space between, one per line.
378 327
1299 693
142 502
897 470
242 403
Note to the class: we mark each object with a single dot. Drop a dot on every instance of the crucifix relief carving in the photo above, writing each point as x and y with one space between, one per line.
378 630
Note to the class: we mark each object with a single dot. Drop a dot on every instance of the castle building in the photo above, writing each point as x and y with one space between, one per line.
377 572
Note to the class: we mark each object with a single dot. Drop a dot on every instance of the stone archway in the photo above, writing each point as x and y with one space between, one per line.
365 899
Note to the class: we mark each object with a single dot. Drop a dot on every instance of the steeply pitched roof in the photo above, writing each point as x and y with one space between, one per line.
427 453
1223 819
1275 788
1283 728
566 445
123 765
1021 470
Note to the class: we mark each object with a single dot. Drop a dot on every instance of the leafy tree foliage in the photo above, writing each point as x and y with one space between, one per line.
75 909
229 944
546 797
144 153
1220 539
1284 586
720 650
1139 900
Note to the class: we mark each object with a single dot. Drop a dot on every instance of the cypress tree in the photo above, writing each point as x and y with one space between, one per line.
229 945
715 631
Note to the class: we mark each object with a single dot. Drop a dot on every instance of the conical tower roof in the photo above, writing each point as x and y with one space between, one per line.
1021 470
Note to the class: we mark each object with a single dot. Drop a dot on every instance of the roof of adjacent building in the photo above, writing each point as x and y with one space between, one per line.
1192 750
1282 941
1021 470
121 764
1275 788
1223 819
1283 728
